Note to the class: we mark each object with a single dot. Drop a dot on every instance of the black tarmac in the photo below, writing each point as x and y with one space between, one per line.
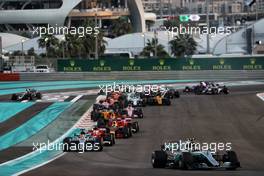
237 118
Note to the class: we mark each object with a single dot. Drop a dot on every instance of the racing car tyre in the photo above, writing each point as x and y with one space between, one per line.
225 90
14 97
38 95
140 114
144 104
100 143
177 94
130 131
100 147
198 90
113 138
126 132
187 89
232 157
214 91
66 142
30 97
166 102
135 127
159 159
186 161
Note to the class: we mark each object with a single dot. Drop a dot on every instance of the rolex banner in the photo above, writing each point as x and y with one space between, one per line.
185 64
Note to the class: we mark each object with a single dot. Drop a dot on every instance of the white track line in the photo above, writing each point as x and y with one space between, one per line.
261 96
86 92
42 164
76 98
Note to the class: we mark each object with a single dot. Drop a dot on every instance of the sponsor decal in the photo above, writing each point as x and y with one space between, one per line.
252 65
222 66
191 65
72 67
131 66
162 66
102 66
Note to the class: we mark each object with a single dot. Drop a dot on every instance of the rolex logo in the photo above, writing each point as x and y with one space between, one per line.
72 63
161 62
222 61
253 61
131 62
102 63
191 62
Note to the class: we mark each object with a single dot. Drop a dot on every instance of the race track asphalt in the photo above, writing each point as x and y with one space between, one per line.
237 118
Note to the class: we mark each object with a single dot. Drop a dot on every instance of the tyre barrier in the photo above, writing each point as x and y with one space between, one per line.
9 76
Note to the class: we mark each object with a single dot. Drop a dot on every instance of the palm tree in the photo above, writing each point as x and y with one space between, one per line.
84 46
120 27
183 45
104 3
50 42
151 47
89 41
74 45
31 52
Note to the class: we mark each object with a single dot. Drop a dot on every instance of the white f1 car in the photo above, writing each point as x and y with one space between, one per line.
135 100
193 159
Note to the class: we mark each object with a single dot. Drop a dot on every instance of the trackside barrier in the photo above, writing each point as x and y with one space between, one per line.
9 77
146 75
161 64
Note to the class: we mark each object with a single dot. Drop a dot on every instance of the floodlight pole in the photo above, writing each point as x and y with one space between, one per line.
63 47
1 59
46 45
257 10
208 26
144 39
156 43
96 37
22 46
